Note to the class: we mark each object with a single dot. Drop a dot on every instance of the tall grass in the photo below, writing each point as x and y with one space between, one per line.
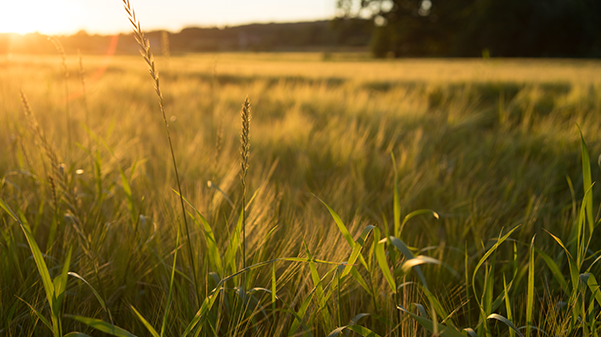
498 162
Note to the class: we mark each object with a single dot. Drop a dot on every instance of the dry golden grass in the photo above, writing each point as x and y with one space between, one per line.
486 144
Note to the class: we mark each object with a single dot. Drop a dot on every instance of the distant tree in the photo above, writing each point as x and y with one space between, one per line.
409 27
467 27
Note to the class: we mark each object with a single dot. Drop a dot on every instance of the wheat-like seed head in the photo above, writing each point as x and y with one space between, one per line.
57 173
59 48
245 139
147 55
39 136
144 47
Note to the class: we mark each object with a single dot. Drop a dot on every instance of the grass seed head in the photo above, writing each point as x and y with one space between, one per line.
245 139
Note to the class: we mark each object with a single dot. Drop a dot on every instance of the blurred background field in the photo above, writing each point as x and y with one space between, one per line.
487 144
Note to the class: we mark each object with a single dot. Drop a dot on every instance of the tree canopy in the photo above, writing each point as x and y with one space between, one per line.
509 28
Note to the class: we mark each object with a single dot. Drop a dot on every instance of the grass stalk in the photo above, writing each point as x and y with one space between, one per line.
59 48
245 153
84 99
148 57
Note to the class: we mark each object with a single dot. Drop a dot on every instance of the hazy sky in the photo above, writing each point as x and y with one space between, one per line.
108 16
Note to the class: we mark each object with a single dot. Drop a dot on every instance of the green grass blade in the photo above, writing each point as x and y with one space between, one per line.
355 274
168 305
339 223
435 304
381 258
507 305
345 233
98 297
337 331
37 313
571 262
427 324
296 316
103 326
555 271
274 287
507 322
414 214
470 332
421 259
234 246
530 291
60 284
486 256
213 250
358 245
207 304
587 182
594 287
76 334
148 326
8 210
124 182
321 299
363 331
404 249
38 258
300 314
396 202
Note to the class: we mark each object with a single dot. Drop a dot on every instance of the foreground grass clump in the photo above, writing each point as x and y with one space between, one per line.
511 244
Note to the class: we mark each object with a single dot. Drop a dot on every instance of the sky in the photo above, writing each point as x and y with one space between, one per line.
62 17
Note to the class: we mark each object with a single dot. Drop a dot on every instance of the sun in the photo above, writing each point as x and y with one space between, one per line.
47 17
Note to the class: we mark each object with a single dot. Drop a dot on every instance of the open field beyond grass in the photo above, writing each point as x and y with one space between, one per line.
489 146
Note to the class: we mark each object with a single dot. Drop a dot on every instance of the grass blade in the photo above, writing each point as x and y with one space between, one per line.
486 256
381 258
168 305
37 313
404 249
339 223
414 214
427 324
395 202
555 271
587 182
530 291
363 331
508 306
213 250
232 249
98 297
148 326
40 264
103 326
506 322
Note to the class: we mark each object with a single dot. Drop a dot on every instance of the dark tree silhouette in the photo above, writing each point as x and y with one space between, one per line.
533 28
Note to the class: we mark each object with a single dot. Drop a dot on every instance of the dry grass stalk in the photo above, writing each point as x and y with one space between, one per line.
148 57
59 48
57 175
218 147
165 48
84 97
245 153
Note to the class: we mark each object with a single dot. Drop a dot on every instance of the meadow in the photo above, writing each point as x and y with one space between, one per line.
384 198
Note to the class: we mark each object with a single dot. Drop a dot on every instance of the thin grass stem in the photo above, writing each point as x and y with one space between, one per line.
148 57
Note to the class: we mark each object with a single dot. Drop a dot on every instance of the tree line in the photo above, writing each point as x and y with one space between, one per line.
468 28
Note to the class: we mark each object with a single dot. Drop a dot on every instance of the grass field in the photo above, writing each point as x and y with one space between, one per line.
489 146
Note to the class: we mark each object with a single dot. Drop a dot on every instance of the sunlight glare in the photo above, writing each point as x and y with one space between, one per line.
47 17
